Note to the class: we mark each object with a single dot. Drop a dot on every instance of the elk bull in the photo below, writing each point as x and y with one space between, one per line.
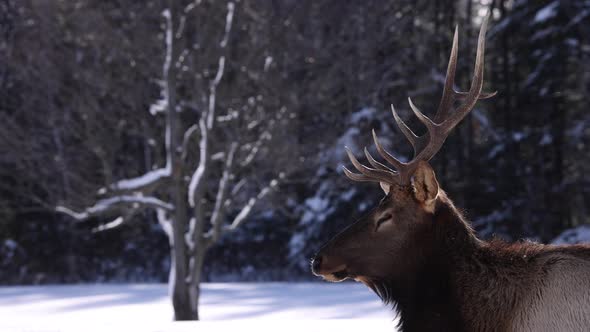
417 252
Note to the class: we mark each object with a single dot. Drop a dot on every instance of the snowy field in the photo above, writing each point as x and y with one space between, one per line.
224 307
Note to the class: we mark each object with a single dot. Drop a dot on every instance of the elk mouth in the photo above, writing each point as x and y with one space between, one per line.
330 268
337 276
341 275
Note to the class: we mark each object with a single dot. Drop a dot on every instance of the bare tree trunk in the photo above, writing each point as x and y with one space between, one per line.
178 288
178 274
180 293
194 286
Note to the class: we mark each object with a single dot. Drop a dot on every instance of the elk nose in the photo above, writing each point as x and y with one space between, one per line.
316 264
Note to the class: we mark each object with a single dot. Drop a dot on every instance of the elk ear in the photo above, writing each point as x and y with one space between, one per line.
425 185
385 187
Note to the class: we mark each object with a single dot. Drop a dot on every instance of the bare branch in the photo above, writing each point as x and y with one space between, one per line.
266 136
220 207
188 135
110 225
213 92
166 223
218 156
187 9
181 57
168 40
238 186
228 23
146 182
168 103
117 222
189 236
220 67
110 204
158 106
195 188
248 207
191 6
161 105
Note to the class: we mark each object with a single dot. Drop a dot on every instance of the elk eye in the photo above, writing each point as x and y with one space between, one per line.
382 220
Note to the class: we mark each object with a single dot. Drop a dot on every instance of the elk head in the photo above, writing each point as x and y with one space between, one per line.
394 237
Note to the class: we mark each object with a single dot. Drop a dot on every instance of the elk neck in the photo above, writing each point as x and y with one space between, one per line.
426 294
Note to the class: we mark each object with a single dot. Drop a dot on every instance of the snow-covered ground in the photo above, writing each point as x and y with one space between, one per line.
224 307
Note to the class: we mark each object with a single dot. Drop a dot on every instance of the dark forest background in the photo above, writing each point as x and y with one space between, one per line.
78 80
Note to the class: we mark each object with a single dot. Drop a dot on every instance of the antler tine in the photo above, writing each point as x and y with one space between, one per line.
386 155
406 130
377 175
441 130
484 95
438 131
423 118
476 84
446 100
427 145
377 164
356 177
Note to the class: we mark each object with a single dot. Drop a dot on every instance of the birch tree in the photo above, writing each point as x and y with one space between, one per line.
176 191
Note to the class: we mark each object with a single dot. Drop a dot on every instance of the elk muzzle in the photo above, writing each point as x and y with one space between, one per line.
329 267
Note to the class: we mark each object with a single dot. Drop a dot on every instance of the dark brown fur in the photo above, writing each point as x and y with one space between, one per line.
447 279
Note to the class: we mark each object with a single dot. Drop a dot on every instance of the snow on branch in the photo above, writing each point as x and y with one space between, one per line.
188 135
161 105
168 41
117 222
187 9
110 225
220 68
228 23
196 183
149 179
121 220
213 91
166 223
191 6
266 136
106 205
220 200
248 207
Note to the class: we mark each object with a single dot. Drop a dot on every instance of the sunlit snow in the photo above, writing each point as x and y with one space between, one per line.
224 307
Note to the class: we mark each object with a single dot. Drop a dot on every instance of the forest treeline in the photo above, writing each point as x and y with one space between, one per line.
81 86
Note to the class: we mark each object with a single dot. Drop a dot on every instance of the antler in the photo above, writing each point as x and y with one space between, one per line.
427 145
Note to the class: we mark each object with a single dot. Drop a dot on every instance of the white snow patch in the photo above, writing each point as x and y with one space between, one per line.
349 139
579 130
580 234
496 150
546 139
348 195
518 136
365 113
316 203
224 307
316 210
547 12
159 106
10 244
